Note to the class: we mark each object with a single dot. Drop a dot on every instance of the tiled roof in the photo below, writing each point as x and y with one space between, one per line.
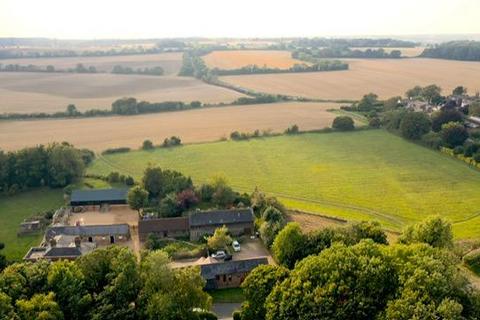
90 230
210 271
218 217
62 252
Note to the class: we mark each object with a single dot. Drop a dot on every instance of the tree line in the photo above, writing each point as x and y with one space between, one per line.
314 54
352 273
326 42
324 65
55 165
454 50
106 284
79 68
153 71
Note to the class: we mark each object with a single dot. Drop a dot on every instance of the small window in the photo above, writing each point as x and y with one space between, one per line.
90 239
224 278
112 239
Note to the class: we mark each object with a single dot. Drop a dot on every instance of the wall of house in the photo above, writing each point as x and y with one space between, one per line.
226 281
106 239
236 229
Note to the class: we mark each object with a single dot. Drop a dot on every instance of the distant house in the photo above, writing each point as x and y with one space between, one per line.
99 234
238 222
28 227
98 197
163 228
229 274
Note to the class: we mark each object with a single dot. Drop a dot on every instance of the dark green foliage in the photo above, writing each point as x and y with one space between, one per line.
173 141
442 117
470 149
369 103
292 130
315 54
414 125
472 260
455 50
129 181
137 198
343 123
116 150
458 150
476 157
434 231
147 145
153 71
454 134
263 98
315 66
256 288
375 122
432 140
368 230
159 183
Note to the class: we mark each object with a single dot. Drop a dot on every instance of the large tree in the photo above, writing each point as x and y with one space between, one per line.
435 231
414 125
137 198
289 244
454 134
442 117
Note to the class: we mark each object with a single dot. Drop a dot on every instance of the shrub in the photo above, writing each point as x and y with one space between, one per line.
113 177
374 122
472 260
171 142
147 145
343 123
414 125
470 149
458 150
476 157
116 150
292 130
454 134
129 181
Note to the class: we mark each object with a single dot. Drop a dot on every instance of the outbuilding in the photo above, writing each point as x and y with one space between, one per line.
98 197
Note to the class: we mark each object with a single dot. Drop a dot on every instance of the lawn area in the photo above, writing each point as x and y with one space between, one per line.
356 175
231 295
14 209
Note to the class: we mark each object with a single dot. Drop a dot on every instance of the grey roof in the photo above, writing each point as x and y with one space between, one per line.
210 271
62 252
90 230
218 217
98 195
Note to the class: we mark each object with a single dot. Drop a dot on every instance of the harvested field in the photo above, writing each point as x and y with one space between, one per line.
24 92
192 126
171 62
385 77
240 58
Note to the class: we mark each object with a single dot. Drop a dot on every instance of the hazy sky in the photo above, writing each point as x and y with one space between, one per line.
241 18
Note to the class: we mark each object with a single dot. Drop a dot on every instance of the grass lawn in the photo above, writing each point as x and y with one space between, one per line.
356 175
232 295
14 209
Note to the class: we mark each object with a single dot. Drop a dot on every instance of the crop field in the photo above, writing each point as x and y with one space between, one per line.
170 62
14 209
358 175
385 77
198 125
25 92
240 58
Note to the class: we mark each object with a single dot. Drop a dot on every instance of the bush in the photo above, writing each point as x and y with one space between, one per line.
343 123
129 181
454 134
113 177
470 149
171 142
472 260
116 150
476 157
414 125
147 145
292 130
458 150
374 122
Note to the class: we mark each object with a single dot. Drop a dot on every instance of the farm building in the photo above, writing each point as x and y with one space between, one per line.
98 197
238 222
99 234
163 228
60 248
229 274
198 224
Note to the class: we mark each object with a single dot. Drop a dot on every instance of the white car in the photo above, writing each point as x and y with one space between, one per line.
236 246
219 255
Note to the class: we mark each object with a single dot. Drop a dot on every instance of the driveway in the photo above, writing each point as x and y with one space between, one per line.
253 248
224 310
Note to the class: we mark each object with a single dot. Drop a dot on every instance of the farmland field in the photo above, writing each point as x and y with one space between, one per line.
14 209
358 175
385 77
25 92
170 62
233 59
207 124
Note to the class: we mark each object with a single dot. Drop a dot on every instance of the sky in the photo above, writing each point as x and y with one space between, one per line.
100 19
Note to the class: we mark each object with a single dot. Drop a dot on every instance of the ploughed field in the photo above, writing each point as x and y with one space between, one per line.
358 175
208 124
385 77
233 59
170 62
26 92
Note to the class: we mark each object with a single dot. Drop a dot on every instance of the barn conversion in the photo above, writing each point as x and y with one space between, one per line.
98 197
100 234
229 274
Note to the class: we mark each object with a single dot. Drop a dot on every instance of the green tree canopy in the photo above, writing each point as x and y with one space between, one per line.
435 231
414 125
137 198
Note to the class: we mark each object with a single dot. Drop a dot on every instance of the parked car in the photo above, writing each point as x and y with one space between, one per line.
219 255
228 257
236 246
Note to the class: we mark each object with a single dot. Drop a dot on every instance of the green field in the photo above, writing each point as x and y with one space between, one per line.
357 175
14 209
